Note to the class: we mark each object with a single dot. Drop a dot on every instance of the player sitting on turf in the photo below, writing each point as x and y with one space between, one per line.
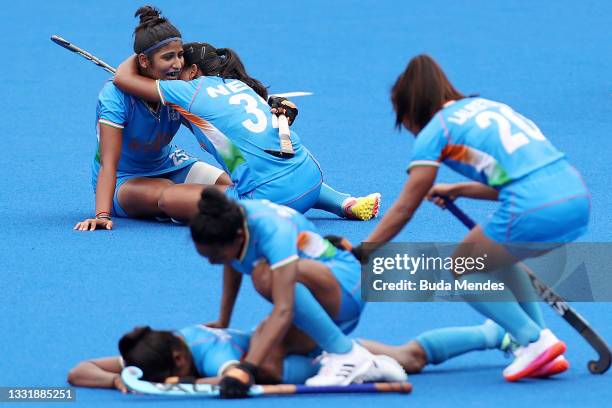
226 111
135 162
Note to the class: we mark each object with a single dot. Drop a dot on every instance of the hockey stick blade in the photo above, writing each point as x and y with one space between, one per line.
292 94
131 377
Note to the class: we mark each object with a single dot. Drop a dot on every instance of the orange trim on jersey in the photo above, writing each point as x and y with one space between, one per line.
455 152
196 120
303 239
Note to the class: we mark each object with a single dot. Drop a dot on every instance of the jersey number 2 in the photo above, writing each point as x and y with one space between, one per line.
505 119
251 107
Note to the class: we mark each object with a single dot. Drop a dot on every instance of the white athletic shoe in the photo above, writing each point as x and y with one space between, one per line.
342 369
384 369
534 356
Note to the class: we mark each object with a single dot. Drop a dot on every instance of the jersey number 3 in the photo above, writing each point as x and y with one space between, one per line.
505 119
261 121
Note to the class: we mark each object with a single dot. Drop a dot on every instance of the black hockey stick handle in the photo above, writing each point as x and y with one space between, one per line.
555 301
71 47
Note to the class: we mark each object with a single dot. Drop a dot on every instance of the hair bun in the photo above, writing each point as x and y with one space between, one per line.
213 202
148 14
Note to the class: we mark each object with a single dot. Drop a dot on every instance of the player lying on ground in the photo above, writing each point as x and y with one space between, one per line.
204 354
543 199
227 113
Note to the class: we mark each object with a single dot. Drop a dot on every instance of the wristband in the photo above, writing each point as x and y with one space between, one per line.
103 215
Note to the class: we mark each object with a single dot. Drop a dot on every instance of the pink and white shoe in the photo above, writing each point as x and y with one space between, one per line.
534 356
557 366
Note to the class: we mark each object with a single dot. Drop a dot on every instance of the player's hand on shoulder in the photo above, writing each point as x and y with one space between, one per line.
91 224
438 191
283 106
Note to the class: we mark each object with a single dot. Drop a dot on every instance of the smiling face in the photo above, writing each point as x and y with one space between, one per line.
165 63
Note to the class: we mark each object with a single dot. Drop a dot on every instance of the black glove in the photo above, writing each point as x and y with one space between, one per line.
284 104
237 381
344 244
360 253
339 242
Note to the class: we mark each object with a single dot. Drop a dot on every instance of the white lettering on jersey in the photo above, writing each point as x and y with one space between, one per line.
251 107
460 116
236 86
213 92
505 119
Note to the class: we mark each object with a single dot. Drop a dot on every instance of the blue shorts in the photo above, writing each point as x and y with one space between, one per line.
298 189
550 205
177 174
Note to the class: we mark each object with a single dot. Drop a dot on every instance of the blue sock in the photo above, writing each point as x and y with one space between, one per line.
442 344
311 318
331 200
509 315
519 283
297 369
534 311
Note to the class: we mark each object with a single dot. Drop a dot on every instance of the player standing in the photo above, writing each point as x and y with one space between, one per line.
543 199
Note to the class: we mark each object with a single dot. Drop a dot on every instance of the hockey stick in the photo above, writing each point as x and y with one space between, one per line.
292 94
71 47
284 135
555 301
131 378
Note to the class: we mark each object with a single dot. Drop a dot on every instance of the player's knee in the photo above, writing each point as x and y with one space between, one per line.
262 279
165 199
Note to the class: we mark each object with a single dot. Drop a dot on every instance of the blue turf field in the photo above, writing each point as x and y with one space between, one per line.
67 296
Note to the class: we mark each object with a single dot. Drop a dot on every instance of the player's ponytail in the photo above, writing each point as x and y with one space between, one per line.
153 31
151 351
222 62
421 91
218 219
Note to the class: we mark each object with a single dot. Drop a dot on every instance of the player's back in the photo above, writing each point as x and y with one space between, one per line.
488 141
235 125
212 348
